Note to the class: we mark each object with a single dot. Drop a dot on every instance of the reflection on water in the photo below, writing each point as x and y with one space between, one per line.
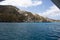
29 31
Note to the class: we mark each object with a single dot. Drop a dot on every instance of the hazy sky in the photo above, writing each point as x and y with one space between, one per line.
42 7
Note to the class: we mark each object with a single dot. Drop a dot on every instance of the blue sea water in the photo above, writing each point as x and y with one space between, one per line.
29 31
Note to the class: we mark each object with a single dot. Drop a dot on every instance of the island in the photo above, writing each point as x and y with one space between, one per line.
9 13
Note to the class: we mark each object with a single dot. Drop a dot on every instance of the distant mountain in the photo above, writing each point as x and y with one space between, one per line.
10 13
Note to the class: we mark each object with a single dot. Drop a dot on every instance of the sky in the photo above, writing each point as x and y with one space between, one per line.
44 8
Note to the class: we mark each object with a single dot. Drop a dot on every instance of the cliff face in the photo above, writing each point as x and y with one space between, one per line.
10 13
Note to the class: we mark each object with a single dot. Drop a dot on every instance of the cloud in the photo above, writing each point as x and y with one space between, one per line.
21 3
53 12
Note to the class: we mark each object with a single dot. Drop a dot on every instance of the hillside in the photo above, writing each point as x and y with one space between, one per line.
10 13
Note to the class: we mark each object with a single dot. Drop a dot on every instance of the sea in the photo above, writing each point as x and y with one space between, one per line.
30 31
